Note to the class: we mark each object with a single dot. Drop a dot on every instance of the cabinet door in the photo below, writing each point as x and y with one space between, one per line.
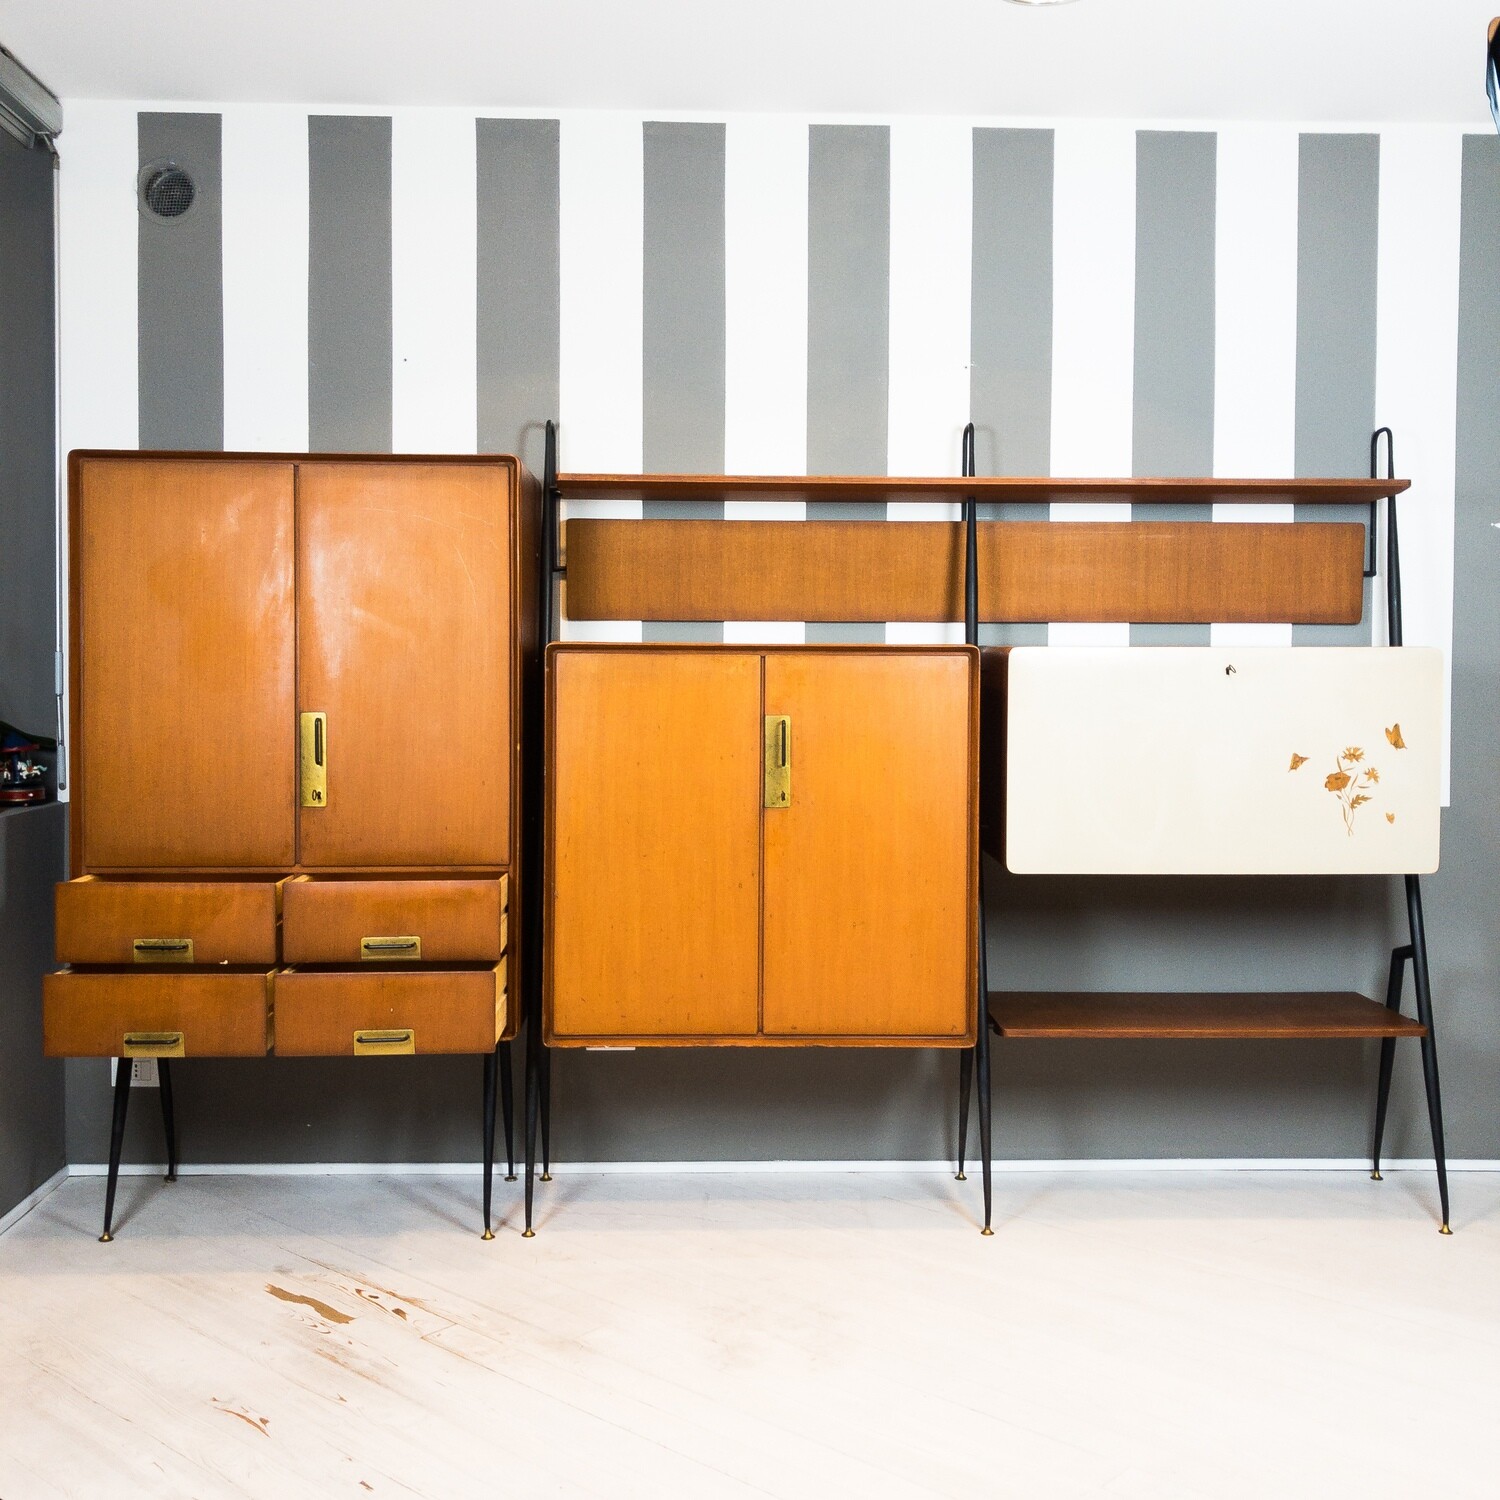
404 646
183 634
869 912
654 844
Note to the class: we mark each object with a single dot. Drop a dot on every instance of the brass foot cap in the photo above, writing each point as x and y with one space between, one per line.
1445 1230
170 1177
960 1176
546 1177
106 1238
986 1230
510 1176
1376 1177
528 1234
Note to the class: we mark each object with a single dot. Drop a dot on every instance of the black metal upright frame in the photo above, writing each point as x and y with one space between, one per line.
1414 952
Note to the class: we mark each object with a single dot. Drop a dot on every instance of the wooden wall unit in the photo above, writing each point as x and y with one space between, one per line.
682 911
219 603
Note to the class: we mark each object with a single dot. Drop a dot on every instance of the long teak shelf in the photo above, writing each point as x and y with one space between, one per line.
1028 490
1304 1016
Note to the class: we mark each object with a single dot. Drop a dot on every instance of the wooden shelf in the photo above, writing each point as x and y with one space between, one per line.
853 490
1117 1016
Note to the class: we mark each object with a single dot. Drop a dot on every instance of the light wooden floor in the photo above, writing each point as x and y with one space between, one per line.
1217 1335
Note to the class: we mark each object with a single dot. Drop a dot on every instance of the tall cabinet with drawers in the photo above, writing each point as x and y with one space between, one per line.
298 691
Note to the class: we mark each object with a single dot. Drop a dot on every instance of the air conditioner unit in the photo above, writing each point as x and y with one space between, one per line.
29 110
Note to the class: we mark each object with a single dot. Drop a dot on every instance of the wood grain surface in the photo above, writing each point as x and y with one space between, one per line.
219 1015
869 886
325 921
228 921
653 807
1142 571
183 664
404 640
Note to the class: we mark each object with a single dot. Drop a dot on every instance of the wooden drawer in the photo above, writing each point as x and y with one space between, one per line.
320 1014
1161 760
330 921
224 921
153 1013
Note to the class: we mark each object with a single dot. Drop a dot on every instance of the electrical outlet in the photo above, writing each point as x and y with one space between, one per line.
144 1074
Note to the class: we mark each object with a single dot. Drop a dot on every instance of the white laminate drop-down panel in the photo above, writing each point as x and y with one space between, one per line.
1215 760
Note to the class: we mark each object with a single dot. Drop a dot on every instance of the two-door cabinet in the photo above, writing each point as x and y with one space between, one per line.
297 707
761 846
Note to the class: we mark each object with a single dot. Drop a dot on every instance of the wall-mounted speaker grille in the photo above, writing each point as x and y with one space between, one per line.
167 191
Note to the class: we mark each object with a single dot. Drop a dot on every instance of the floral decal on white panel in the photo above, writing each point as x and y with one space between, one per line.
1353 781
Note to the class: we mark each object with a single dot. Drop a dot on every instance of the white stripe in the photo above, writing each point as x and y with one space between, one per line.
931 248
265 278
1255 333
1416 364
1093 328
434 239
765 296
98 350
601 267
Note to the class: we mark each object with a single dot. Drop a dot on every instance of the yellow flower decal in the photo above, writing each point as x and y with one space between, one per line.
1337 781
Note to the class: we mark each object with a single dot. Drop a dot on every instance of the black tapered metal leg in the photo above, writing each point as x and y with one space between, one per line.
1429 1042
508 1110
1399 956
982 1064
544 1074
168 1117
533 1047
490 1060
116 1141
965 1088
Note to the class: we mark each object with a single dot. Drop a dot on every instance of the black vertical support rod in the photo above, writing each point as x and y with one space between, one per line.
491 1058
508 1109
1417 951
977 1065
168 1115
535 874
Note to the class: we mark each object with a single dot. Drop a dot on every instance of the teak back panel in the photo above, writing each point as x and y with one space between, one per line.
654 844
1143 571
404 627
184 662
869 895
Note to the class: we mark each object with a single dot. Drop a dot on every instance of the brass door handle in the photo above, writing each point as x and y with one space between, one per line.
777 788
313 759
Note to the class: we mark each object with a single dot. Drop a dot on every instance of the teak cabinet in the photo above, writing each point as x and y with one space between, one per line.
297 700
752 846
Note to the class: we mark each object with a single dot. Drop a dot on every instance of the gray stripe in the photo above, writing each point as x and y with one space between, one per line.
1338 202
1010 325
683 351
848 301
518 296
1176 186
683 308
1010 322
349 284
180 291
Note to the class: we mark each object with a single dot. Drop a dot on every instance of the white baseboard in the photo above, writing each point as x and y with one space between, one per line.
31 1200
662 1168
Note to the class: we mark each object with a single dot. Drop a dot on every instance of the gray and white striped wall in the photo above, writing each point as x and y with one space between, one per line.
777 295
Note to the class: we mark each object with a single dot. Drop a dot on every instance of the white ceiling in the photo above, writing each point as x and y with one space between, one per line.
1303 60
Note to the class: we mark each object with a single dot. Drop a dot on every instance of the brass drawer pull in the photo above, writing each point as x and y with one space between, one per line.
162 950
313 742
385 1043
152 1044
403 949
